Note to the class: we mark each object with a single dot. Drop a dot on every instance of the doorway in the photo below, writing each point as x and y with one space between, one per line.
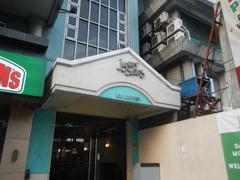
88 148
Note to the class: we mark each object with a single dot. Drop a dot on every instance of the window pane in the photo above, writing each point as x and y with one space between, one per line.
104 16
122 37
101 51
112 40
92 51
103 37
81 51
113 4
93 34
121 17
105 2
82 30
113 19
121 5
121 27
68 49
72 20
84 8
73 9
94 12
71 33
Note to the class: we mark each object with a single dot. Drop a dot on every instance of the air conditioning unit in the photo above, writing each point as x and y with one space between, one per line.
158 49
157 38
146 29
174 26
175 37
161 19
145 47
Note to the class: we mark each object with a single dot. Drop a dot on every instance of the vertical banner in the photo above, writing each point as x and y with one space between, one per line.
231 13
229 128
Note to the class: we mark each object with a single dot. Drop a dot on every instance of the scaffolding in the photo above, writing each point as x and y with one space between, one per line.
204 101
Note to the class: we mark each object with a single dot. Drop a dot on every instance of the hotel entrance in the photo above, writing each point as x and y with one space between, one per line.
88 148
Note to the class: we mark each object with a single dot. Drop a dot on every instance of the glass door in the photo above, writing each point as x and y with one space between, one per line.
88 152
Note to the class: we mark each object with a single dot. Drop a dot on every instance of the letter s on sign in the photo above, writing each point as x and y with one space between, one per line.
15 76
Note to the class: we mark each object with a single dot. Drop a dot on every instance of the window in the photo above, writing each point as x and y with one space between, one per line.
104 16
99 26
69 49
103 37
84 10
82 31
81 51
94 12
93 34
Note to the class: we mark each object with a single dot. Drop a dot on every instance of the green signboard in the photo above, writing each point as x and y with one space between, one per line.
20 74
229 127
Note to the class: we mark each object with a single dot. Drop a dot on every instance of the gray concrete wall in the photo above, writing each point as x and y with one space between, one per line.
17 138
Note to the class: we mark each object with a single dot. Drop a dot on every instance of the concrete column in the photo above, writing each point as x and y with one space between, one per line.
133 25
17 139
36 26
40 146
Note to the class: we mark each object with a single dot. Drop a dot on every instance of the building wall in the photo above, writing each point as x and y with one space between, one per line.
202 157
17 138
228 82
55 36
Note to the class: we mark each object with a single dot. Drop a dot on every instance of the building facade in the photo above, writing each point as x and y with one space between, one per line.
83 89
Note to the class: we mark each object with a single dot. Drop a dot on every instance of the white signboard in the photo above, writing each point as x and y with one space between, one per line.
231 13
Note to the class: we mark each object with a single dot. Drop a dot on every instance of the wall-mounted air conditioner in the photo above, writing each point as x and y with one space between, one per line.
145 47
146 29
157 38
175 37
161 19
159 48
174 26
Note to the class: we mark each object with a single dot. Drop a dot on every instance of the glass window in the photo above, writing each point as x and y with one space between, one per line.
122 37
73 9
103 37
84 10
69 49
113 19
105 2
113 4
112 40
72 20
121 17
81 51
104 16
122 27
101 51
4 116
94 12
71 32
92 51
93 34
122 46
82 30
121 5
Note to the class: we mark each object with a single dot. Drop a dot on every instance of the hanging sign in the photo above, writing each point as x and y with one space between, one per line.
229 127
20 74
